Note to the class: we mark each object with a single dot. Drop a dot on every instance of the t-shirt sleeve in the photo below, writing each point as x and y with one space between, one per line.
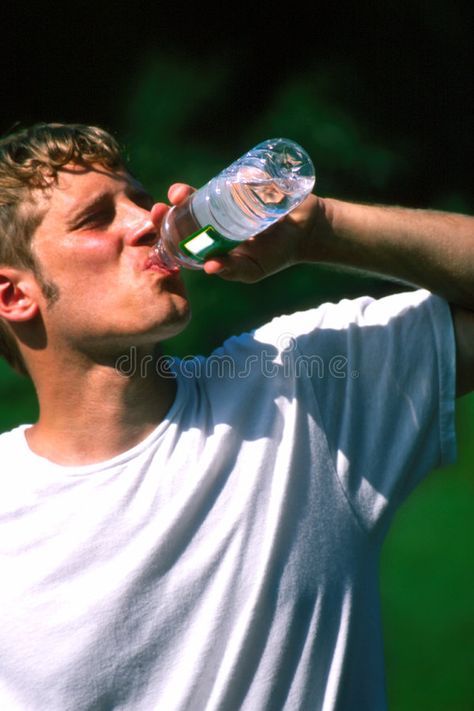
383 374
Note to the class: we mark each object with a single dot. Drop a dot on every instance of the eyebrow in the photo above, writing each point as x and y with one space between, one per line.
138 192
92 203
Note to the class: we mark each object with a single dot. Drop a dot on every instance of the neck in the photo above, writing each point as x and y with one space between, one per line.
92 412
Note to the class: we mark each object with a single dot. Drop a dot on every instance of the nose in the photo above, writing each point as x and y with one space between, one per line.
141 231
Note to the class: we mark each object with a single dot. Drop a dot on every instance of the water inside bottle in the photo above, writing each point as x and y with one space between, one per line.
260 192
242 203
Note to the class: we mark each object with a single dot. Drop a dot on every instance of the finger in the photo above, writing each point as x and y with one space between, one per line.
215 266
179 192
158 211
234 267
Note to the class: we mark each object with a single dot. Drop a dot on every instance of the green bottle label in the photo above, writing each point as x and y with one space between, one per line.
206 242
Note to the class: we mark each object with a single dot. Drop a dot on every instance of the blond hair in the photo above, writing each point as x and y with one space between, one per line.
30 159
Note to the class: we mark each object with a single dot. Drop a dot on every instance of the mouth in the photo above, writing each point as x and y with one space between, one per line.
156 264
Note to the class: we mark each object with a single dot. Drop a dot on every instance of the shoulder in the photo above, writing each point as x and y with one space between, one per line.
14 438
361 310
14 455
13 445
332 323
328 328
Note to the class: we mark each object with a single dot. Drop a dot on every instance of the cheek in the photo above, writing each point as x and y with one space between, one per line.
93 254
80 269
81 250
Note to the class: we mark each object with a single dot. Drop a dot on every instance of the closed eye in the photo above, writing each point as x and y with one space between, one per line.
100 218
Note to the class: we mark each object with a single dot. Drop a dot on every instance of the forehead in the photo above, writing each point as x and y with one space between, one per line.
76 185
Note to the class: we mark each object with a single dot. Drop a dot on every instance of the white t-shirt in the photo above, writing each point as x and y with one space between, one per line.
229 562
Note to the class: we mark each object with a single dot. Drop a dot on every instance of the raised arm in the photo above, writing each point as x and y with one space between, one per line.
423 248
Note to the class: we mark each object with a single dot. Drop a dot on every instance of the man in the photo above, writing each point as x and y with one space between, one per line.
177 539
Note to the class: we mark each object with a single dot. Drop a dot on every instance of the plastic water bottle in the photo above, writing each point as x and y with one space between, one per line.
244 199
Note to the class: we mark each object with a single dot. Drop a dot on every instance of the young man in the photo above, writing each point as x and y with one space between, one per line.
193 539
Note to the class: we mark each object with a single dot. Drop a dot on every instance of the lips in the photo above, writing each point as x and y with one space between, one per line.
156 263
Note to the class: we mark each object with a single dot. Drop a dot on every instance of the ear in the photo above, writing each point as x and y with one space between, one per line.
17 295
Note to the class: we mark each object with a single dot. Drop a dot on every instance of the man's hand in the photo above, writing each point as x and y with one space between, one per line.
276 248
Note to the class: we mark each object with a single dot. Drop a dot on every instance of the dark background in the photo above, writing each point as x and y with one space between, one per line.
381 95
398 72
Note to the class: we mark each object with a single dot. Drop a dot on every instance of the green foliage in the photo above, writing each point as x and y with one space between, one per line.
427 584
161 148
349 162
17 398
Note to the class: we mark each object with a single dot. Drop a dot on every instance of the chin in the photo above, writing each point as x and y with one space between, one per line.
176 323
